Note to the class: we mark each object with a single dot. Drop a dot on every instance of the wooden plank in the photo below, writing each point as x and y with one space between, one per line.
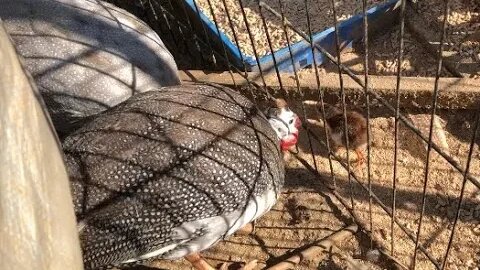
37 222
415 92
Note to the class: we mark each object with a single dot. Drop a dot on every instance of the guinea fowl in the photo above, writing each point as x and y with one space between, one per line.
170 172
356 130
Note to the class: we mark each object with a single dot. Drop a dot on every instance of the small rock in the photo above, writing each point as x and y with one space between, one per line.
476 230
442 201
468 218
373 255
384 234
466 212
476 214
410 205
451 212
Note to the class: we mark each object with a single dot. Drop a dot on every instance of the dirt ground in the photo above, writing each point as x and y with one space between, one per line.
442 193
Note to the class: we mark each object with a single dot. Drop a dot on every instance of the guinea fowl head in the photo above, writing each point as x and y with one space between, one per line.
285 122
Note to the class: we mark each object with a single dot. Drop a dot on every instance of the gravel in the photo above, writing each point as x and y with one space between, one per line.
463 20
320 13
463 33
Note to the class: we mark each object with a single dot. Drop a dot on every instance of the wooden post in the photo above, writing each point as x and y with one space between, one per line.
37 222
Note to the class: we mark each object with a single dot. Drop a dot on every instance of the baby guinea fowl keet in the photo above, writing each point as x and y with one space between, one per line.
356 130
170 172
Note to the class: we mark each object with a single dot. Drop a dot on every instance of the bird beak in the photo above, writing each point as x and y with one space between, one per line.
298 123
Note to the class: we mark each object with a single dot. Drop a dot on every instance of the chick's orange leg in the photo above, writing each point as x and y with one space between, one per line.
360 157
198 262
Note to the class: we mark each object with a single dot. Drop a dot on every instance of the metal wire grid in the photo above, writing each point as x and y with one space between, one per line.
215 59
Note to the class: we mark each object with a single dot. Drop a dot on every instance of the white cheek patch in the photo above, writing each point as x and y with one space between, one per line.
288 117
279 128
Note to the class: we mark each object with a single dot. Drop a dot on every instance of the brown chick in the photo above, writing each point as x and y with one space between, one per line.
356 130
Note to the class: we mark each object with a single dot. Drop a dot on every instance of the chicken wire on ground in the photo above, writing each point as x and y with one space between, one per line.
452 131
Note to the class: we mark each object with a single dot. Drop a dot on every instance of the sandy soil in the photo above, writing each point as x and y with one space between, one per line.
442 193
320 12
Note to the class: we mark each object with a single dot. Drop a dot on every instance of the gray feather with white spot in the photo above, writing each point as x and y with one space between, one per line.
171 172
86 56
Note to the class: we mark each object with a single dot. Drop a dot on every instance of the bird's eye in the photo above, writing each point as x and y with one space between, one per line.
291 121
279 129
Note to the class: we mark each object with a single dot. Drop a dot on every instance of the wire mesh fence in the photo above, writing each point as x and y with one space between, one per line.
194 47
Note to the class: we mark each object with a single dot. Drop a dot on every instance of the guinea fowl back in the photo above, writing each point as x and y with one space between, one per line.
143 173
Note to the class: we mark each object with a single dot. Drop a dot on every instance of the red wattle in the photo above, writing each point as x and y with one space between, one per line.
289 142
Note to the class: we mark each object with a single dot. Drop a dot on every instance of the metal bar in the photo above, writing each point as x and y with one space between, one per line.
320 93
287 38
367 100
187 47
252 43
342 96
270 46
207 39
397 112
430 134
192 31
154 13
297 80
238 46
378 201
467 169
223 45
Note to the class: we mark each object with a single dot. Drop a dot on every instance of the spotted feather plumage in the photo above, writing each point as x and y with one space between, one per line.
156 171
